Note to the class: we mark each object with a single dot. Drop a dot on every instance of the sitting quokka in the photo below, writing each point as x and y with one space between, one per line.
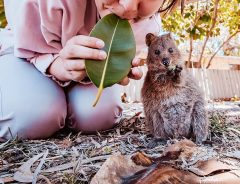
173 103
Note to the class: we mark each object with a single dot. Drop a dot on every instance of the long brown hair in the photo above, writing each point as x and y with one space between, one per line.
169 5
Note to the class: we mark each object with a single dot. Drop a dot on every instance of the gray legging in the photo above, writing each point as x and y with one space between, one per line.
33 106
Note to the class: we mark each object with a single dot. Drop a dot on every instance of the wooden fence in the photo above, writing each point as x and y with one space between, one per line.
215 84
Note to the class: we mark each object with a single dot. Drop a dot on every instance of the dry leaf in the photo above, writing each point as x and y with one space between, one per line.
6 180
65 143
169 156
159 173
125 170
204 168
231 177
4 144
96 144
114 169
235 154
162 174
124 97
141 159
186 148
70 165
24 173
59 167
39 167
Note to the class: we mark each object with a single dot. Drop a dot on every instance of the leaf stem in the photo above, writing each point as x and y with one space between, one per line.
100 89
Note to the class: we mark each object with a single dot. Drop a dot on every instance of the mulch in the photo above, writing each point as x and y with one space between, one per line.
70 157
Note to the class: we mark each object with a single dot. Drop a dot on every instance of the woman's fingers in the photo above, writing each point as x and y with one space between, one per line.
74 64
77 76
76 51
136 73
136 62
86 41
84 47
125 81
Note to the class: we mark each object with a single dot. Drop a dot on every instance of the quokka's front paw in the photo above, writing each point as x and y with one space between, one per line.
174 70
177 73
171 70
178 69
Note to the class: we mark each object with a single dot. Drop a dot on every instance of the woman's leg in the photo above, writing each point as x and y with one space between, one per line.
31 105
84 117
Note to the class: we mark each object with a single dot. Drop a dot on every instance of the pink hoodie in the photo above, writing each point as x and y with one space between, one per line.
44 26
39 29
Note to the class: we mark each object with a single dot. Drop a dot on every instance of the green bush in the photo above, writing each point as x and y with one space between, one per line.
3 21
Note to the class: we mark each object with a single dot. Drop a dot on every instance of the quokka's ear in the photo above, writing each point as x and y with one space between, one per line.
149 38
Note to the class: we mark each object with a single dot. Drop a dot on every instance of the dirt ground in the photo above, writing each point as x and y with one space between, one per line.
75 158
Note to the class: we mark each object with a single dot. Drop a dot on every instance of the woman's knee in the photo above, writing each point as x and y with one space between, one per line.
84 117
33 123
32 106
32 118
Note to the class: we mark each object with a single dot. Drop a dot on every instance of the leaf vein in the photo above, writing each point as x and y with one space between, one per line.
105 66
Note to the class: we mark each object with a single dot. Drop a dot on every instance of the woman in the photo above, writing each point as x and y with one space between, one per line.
43 82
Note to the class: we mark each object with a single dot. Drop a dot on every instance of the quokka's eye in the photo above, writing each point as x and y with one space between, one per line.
157 52
170 50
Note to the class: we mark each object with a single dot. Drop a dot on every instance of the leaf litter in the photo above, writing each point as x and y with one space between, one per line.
76 158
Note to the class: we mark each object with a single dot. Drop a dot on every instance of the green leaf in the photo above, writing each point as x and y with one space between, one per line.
205 18
187 15
120 48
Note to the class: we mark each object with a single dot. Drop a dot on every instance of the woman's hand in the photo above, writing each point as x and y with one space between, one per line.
135 73
70 63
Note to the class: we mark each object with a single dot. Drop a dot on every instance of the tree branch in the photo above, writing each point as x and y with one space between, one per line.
191 38
214 20
190 52
229 38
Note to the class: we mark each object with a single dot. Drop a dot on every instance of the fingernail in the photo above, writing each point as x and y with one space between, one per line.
136 62
100 43
135 71
102 55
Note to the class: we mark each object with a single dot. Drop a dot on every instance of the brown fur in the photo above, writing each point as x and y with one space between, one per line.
173 103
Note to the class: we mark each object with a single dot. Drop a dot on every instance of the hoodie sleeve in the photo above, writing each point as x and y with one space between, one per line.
41 28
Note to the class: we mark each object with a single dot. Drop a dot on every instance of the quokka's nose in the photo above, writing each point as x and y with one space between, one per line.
165 61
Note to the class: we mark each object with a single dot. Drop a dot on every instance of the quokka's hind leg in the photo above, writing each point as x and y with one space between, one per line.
158 126
157 129
149 124
177 120
199 122
155 123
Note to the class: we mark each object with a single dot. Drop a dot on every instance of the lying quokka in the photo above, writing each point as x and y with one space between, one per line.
173 104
